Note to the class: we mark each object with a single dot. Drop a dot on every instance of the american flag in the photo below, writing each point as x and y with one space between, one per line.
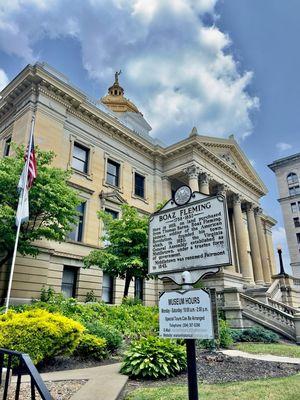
27 178
32 168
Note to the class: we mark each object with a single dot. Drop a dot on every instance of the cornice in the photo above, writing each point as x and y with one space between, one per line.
195 144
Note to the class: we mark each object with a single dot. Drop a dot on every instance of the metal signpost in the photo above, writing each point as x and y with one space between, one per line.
188 239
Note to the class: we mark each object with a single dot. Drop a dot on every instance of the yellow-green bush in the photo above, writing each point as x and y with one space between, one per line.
92 347
39 333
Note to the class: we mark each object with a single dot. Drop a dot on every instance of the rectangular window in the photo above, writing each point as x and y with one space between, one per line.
107 288
299 205
298 237
294 190
113 173
113 213
6 147
139 185
138 288
294 207
80 158
297 222
77 232
69 279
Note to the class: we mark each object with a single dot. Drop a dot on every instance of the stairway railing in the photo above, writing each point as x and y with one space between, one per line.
269 316
22 364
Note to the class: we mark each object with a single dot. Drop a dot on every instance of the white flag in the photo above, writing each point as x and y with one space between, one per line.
23 204
23 207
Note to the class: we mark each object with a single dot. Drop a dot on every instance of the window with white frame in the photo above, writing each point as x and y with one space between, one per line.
113 173
139 185
69 280
107 288
294 207
77 233
80 159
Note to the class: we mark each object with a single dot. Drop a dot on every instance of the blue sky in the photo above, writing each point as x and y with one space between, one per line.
225 66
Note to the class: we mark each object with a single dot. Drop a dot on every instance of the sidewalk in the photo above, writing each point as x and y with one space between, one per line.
104 383
263 357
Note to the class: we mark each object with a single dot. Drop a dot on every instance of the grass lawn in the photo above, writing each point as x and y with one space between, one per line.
265 389
276 349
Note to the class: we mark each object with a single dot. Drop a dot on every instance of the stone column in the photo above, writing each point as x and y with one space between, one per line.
262 246
241 239
166 188
222 189
204 183
254 245
193 174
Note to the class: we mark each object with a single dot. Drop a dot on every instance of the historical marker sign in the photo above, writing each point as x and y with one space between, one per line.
186 315
189 237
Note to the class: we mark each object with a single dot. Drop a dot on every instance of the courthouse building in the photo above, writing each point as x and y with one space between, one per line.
106 143
287 172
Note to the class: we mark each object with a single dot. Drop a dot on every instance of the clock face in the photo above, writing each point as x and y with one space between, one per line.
182 195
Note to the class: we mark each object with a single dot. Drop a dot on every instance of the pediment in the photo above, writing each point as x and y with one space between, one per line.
113 196
232 155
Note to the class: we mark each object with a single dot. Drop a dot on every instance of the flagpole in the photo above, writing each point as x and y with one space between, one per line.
20 220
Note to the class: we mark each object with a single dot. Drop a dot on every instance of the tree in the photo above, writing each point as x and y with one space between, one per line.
52 204
126 253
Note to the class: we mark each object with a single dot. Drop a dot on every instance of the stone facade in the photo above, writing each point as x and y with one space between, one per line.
114 137
287 172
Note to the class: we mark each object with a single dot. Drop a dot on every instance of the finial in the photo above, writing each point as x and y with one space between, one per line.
194 132
117 76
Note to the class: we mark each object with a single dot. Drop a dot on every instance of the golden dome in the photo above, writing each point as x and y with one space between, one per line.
115 99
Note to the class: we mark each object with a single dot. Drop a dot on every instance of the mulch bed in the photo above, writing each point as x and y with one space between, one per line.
220 368
62 363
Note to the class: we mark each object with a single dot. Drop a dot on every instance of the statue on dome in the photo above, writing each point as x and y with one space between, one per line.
117 76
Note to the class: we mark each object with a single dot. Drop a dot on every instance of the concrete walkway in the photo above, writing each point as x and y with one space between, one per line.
104 383
263 357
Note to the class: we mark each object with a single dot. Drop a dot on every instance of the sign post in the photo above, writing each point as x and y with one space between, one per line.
188 239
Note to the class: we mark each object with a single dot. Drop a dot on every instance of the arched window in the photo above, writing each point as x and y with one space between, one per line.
292 178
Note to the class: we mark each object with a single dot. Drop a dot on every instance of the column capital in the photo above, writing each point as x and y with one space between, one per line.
237 198
258 211
192 171
250 207
205 177
166 178
222 189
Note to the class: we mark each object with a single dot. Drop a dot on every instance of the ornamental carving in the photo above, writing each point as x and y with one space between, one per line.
228 159
192 171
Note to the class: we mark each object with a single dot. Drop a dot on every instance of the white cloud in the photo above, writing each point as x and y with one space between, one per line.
281 146
178 71
3 79
279 240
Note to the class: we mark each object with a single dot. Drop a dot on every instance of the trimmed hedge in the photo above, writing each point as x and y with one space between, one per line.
154 358
91 346
254 334
39 333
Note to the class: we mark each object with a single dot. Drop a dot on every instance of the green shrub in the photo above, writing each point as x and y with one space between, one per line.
153 357
90 297
131 321
111 335
255 334
40 334
131 301
91 346
224 341
225 338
